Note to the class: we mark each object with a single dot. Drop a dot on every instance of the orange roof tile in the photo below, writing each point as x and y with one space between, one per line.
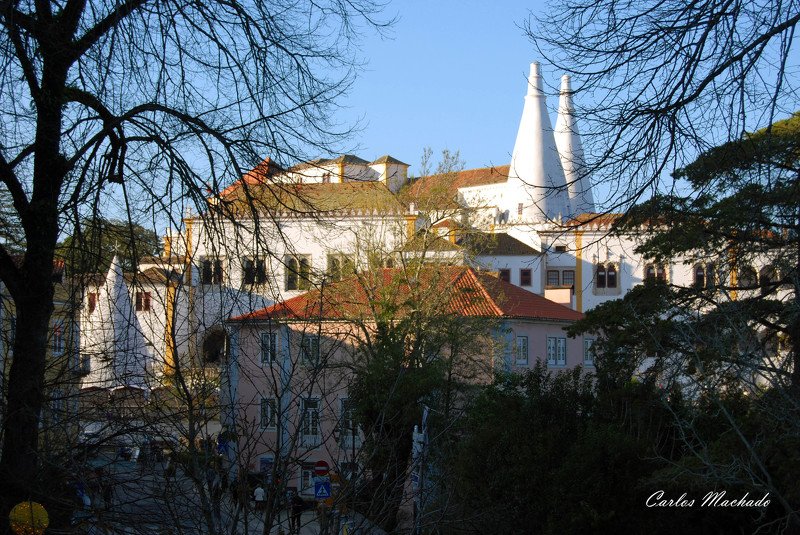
258 175
463 291
593 220
438 188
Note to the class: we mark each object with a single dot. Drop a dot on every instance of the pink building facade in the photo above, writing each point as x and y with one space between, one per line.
286 388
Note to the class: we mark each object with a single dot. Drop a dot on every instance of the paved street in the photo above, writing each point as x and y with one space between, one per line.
145 502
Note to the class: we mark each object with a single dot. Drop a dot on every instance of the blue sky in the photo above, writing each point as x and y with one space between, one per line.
450 75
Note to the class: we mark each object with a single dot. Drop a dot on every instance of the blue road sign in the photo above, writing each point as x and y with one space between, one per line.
322 489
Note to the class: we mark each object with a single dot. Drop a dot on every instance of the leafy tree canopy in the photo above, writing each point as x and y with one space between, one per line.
96 241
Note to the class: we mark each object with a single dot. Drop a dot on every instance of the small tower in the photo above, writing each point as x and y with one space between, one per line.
570 150
536 187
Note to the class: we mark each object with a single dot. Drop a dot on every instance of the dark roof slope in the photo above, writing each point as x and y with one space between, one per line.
497 244
389 159
346 158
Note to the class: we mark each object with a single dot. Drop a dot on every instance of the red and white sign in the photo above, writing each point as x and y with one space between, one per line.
321 468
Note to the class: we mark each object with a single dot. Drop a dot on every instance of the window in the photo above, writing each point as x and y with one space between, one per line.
309 350
268 413
326 178
611 276
553 277
505 275
556 351
699 276
211 271
588 352
310 423
522 350
655 272
298 272
748 277
605 276
561 248
254 271
600 276
705 275
568 277
91 302
57 343
525 277
269 350
339 267
347 424
142 301
519 208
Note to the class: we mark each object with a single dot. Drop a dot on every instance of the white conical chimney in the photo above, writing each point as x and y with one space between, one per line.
536 185
117 339
570 150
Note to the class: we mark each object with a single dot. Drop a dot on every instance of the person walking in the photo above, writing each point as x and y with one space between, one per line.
297 505
260 498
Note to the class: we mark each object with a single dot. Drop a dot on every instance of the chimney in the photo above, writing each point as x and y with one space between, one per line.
536 179
570 151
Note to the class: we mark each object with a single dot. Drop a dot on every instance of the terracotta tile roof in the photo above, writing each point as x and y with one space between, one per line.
356 198
463 290
441 189
258 175
593 221
518 303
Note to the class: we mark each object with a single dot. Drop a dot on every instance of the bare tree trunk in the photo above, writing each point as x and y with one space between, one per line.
31 287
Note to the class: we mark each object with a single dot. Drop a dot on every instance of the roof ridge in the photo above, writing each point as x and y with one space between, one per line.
498 310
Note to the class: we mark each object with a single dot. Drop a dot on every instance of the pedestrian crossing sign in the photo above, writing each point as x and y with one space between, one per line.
322 490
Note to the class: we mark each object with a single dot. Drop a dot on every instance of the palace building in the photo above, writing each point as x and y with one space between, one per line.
226 279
